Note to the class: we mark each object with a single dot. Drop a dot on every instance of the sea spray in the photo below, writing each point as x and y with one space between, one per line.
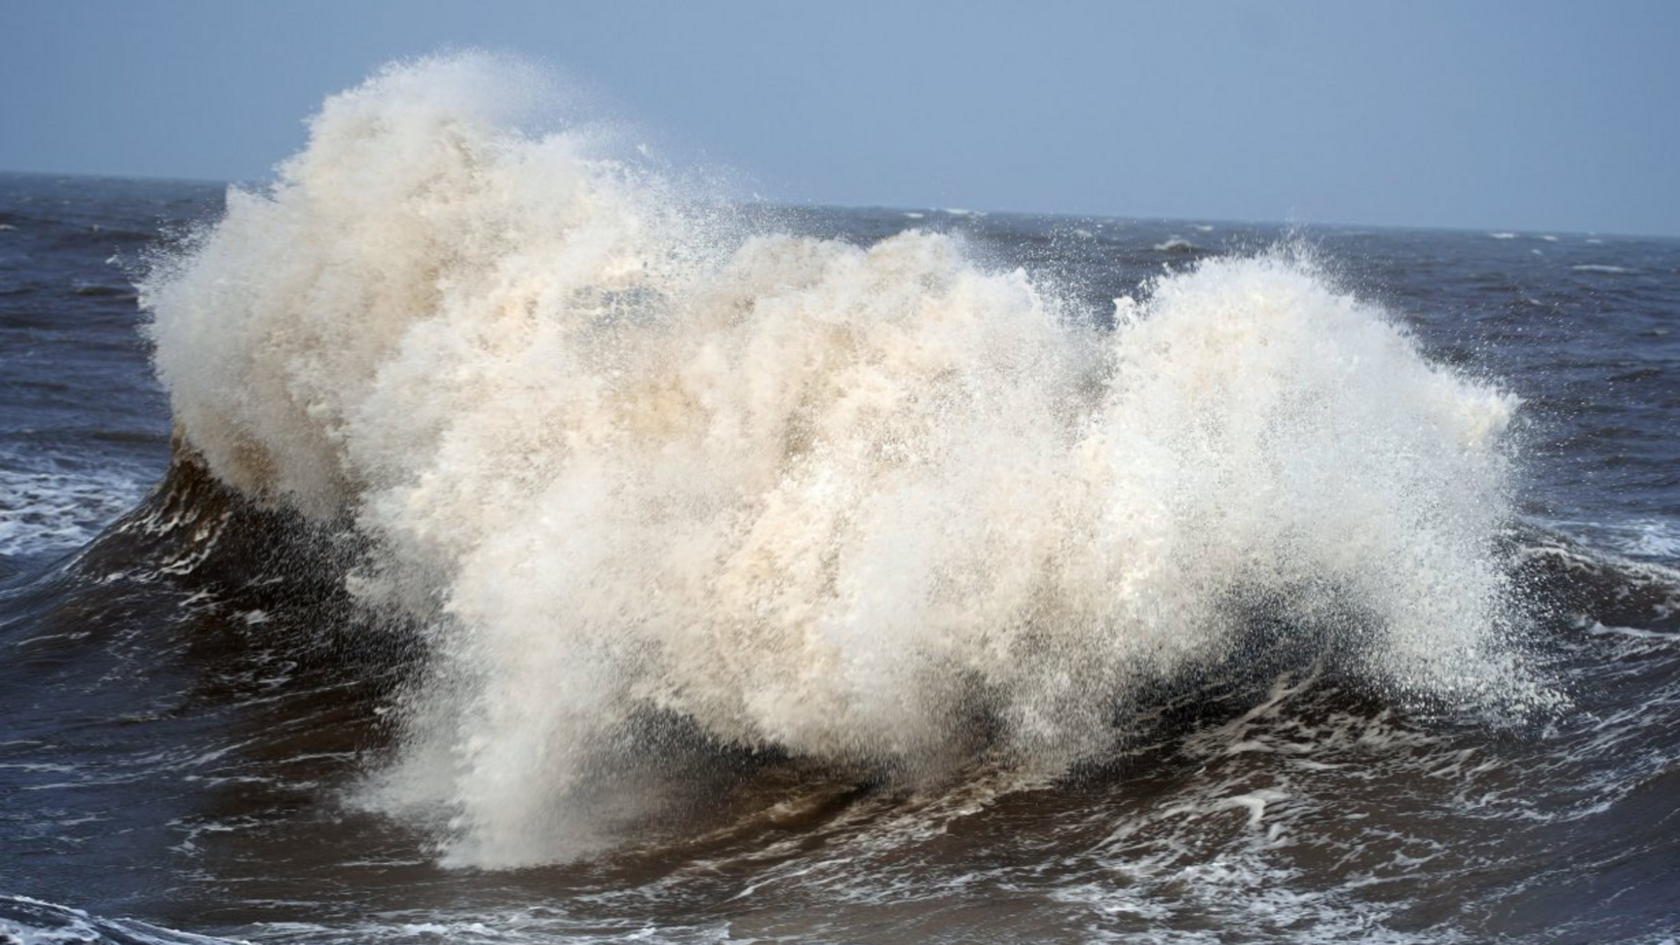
619 455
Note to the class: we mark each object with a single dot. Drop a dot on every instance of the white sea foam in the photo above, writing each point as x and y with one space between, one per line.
47 510
619 454
27 921
1643 538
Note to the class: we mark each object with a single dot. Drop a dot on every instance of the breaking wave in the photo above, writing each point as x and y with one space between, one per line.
619 456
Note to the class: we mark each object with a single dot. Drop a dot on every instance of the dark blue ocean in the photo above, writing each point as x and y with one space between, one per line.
506 581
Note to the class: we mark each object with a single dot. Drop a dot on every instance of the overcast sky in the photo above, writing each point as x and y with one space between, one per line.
1555 116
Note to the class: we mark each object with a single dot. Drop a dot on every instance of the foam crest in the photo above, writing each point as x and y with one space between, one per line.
875 505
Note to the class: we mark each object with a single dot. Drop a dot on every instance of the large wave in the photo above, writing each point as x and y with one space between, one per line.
618 454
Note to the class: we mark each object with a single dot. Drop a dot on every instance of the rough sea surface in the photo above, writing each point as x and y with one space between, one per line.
475 536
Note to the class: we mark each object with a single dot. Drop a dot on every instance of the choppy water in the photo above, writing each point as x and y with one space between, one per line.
551 552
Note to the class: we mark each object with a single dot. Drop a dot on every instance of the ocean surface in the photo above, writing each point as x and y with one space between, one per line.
476 536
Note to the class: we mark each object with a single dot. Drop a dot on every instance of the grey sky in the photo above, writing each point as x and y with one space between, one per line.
1519 115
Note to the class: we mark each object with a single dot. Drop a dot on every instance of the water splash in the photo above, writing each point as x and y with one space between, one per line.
869 505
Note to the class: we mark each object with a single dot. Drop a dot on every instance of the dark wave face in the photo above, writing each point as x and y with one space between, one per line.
518 546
